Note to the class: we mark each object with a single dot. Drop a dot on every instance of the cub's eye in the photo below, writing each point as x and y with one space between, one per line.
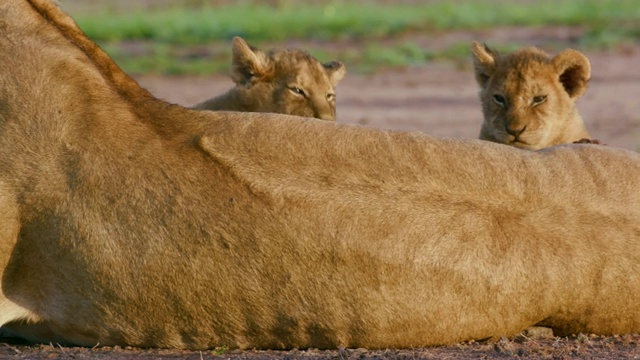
331 97
296 90
537 100
499 99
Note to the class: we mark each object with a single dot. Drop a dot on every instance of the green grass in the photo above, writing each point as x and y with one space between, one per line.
219 351
170 60
169 31
335 20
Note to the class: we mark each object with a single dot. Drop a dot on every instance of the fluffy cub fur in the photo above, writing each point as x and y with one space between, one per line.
529 98
286 81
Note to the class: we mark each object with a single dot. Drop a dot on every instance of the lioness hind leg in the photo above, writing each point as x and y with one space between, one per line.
19 322
12 312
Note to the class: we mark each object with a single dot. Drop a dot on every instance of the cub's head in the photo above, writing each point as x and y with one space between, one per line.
528 98
287 81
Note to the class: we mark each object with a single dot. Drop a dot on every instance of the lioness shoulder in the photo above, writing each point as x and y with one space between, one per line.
529 98
287 81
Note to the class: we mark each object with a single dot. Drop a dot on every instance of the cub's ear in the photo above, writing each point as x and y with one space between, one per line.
247 61
484 62
574 71
335 70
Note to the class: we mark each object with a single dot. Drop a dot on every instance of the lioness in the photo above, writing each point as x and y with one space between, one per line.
125 220
287 82
528 98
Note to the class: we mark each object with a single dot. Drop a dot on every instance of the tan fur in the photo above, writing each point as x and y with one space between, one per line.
286 82
129 221
528 98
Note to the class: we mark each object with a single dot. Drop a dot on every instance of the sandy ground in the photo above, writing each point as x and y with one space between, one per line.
442 98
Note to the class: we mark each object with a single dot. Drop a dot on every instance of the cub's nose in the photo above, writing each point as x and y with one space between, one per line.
324 113
513 132
325 116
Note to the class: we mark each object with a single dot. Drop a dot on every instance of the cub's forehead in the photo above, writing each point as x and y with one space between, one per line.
525 70
525 61
300 66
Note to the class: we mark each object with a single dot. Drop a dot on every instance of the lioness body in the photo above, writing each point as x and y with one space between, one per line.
528 98
286 82
129 221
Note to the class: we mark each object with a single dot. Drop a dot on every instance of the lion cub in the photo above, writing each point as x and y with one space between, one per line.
287 82
528 98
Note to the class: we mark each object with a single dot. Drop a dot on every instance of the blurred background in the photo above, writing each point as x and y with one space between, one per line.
193 36
408 61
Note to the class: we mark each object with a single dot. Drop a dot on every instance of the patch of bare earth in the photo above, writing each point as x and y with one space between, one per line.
583 347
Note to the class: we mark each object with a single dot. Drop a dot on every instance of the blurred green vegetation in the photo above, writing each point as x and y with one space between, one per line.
188 36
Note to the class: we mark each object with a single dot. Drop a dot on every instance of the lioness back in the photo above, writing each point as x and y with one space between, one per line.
528 98
286 81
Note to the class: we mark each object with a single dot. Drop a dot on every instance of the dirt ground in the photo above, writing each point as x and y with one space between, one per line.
439 99
579 347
